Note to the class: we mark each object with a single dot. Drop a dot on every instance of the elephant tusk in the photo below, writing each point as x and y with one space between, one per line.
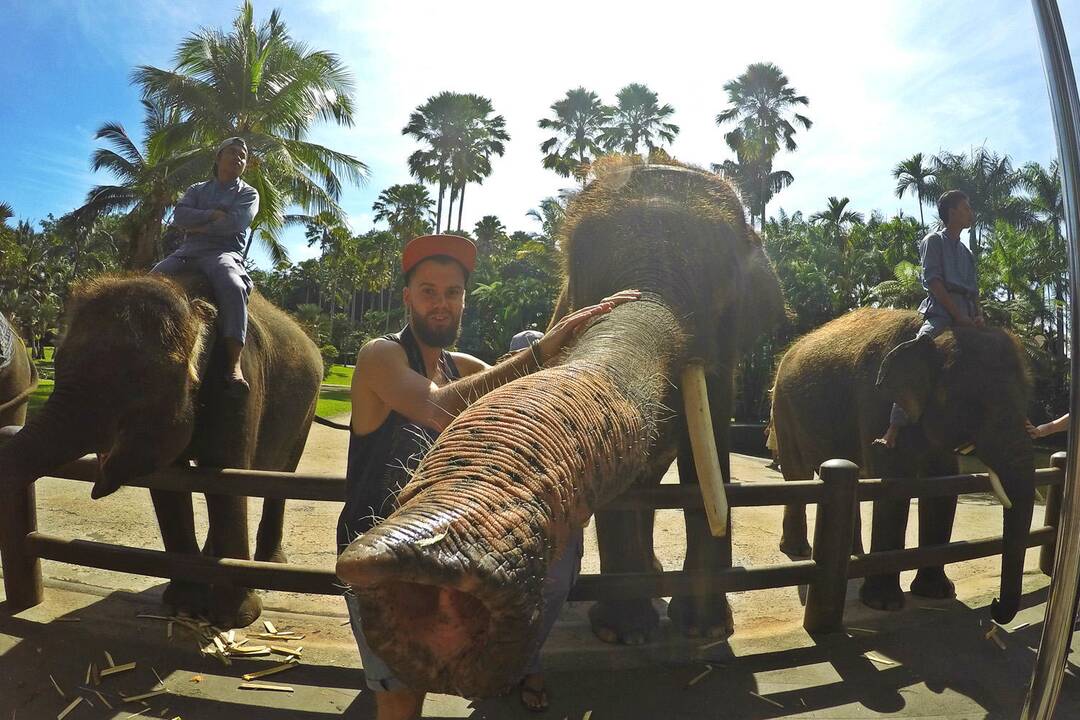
699 424
999 490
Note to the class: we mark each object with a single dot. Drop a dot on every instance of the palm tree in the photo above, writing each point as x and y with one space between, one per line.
1047 204
461 135
579 120
490 233
149 182
990 182
759 101
637 118
258 83
837 219
757 183
912 175
406 209
482 137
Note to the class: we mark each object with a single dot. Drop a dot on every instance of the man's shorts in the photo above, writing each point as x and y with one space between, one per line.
563 575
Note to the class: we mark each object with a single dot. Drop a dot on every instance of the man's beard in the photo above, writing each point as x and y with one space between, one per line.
435 337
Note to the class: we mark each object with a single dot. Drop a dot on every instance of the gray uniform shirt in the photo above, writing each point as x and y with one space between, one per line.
951 262
238 200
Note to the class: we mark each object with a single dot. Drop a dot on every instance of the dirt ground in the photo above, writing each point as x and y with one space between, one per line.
770 668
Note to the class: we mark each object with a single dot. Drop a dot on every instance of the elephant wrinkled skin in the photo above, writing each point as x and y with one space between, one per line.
833 393
140 381
449 585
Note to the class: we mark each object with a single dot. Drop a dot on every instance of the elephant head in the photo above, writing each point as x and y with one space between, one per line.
127 376
449 585
971 385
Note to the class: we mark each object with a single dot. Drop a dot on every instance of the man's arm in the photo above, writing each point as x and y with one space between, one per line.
187 215
941 294
238 217
382 371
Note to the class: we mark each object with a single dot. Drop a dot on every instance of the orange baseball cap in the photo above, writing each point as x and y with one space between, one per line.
427 246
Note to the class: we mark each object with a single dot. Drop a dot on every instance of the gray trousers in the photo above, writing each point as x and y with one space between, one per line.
561 577
229 281
932 327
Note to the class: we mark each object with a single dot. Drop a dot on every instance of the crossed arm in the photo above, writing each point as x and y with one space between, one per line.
219 221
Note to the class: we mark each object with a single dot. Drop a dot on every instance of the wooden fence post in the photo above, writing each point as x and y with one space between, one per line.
833 531
22 572
1052 515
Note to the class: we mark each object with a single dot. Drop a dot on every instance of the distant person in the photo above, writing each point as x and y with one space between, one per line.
1054 426
951 283
524 339
215 216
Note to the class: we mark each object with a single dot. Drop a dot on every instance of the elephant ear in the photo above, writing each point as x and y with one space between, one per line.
908 374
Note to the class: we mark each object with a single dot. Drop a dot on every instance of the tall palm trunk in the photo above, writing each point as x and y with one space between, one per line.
461 205
574 436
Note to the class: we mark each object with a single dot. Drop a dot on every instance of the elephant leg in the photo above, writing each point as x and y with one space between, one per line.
231 605
268 540
882 592
176 520
794 540
705 612
936 516
625 542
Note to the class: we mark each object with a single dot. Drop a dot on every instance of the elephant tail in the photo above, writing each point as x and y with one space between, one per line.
24 396
331 424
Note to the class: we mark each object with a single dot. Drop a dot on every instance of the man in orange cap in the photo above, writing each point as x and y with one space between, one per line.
406 388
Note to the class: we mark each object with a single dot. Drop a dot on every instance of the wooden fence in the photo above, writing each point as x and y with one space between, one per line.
826 574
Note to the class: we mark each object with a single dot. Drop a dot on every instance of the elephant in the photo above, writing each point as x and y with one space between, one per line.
449 585
832 397
18 376
140 380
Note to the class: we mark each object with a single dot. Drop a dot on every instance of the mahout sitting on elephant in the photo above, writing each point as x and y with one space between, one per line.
833 392
18 376
450 584
140 381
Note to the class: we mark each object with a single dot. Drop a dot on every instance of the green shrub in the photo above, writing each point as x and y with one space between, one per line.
329 355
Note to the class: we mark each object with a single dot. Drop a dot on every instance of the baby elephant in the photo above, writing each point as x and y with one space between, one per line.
832 396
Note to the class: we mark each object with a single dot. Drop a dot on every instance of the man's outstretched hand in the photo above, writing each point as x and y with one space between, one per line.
575 323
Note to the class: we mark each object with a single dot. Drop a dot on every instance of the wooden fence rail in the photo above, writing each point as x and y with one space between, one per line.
22 547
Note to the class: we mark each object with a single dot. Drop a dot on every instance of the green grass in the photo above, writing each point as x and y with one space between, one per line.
44 390
339 375
333 402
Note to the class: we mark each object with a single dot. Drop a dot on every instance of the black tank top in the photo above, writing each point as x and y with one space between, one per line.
381 462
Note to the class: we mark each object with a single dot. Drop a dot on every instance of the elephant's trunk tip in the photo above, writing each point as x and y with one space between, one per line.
1004 611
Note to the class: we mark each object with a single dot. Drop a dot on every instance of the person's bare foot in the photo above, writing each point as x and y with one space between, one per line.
889 438
533 692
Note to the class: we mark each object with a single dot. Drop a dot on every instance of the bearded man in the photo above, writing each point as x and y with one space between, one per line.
406 389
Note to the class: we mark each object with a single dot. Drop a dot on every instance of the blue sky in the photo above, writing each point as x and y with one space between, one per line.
885 80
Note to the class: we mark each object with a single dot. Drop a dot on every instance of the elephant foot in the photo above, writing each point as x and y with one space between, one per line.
933 583
629 622
275 556
795 548
186 598
708 617
882 593
234 607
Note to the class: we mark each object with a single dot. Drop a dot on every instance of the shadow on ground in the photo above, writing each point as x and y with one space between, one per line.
943 666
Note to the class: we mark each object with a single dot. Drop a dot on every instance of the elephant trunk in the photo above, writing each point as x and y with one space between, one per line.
1018 482
56 435
450 585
